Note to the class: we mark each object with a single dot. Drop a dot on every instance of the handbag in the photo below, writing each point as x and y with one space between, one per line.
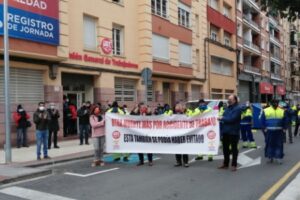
28 124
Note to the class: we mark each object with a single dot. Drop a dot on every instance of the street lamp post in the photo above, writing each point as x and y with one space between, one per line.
6 83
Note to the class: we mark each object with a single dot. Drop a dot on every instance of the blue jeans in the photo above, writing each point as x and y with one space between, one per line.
41 139
22 137
84 133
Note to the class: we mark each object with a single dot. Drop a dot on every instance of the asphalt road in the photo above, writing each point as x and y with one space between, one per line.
202 180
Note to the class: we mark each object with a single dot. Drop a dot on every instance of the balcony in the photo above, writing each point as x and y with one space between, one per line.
293 28
252 4
252 69
251 23
294 58
296 72
275 76
275 40
251 46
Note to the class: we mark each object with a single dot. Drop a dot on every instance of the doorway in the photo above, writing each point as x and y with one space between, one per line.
167 93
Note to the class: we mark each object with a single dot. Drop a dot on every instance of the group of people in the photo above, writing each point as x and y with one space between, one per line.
235 125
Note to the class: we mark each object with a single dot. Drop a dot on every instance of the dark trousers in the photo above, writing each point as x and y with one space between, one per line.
230 140
84 133
149 155
296 129
66 127
22 137
54 133
180 158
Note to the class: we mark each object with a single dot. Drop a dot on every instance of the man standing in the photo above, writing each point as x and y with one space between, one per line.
53 125
230 123
246 127
202 108
21 118
41 119
274 122
115 109
84 123
289 115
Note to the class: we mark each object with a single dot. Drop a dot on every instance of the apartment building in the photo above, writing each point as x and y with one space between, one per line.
260 53
221 48
96 50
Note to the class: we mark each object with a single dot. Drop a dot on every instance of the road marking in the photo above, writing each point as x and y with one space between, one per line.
31 194
91 174
268 194
291 192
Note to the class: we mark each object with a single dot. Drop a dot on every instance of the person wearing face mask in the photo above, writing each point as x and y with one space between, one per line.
167 110
41 119
53 125
246 127
98 135
117 110
202 108
274 121
84 123
21 119
230 131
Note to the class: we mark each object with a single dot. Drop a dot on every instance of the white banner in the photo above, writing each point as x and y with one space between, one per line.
176 134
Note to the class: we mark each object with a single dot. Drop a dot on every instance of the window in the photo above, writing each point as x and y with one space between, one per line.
181 92
240 57
90 32
262 44
267 46
198 59
227 39
160 47
221 66
197 25
184 15
185 54
150 94
118 40
125 89
216 93
159 7
239 5
214 4
214 32
196 92
226 11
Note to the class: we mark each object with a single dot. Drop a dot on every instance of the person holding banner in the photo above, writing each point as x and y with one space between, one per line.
115 109
230 130
143 110
98 135
202 108
179 110
167 110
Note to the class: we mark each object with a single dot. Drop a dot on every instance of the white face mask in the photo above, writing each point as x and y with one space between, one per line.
42 108
21 110
52 107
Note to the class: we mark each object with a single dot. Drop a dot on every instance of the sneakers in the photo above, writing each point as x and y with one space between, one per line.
252 145
56 147
245 145
47 157
199 158
39 158
186 165
178 165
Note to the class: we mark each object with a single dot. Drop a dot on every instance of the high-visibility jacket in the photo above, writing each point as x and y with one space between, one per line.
119 111
246 117
189 112
274 119
168 112
199 112
221 111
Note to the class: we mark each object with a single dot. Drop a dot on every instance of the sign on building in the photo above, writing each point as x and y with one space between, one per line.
34 20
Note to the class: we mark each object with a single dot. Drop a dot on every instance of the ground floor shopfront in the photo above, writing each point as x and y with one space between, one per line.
31 83
255 88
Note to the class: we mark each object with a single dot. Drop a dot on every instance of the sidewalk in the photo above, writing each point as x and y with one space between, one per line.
24 160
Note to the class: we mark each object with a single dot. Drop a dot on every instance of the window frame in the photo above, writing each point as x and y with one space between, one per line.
95 21
114 40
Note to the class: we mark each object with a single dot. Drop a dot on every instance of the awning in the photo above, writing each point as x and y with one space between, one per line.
266 88
280 90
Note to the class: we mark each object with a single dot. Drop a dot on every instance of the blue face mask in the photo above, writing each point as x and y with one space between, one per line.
203 107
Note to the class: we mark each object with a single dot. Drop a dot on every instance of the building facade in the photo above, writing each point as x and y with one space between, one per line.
96 52
221 48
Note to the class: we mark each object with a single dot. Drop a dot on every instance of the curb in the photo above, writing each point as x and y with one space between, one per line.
25 177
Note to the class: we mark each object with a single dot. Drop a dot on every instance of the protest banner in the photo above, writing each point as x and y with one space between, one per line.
176 134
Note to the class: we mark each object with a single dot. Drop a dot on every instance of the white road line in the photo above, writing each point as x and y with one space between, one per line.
31 194
91 174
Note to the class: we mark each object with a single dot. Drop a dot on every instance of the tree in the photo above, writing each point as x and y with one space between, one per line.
289 9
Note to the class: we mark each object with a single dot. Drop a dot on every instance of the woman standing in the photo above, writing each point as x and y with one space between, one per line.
53 125
21 119
179 110
98 135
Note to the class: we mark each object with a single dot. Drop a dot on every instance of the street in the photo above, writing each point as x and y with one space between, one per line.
202 180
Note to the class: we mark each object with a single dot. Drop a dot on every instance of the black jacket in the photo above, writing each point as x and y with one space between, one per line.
53 123
84 116
41 120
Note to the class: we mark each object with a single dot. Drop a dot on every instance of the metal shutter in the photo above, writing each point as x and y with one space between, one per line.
26 85
125 89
